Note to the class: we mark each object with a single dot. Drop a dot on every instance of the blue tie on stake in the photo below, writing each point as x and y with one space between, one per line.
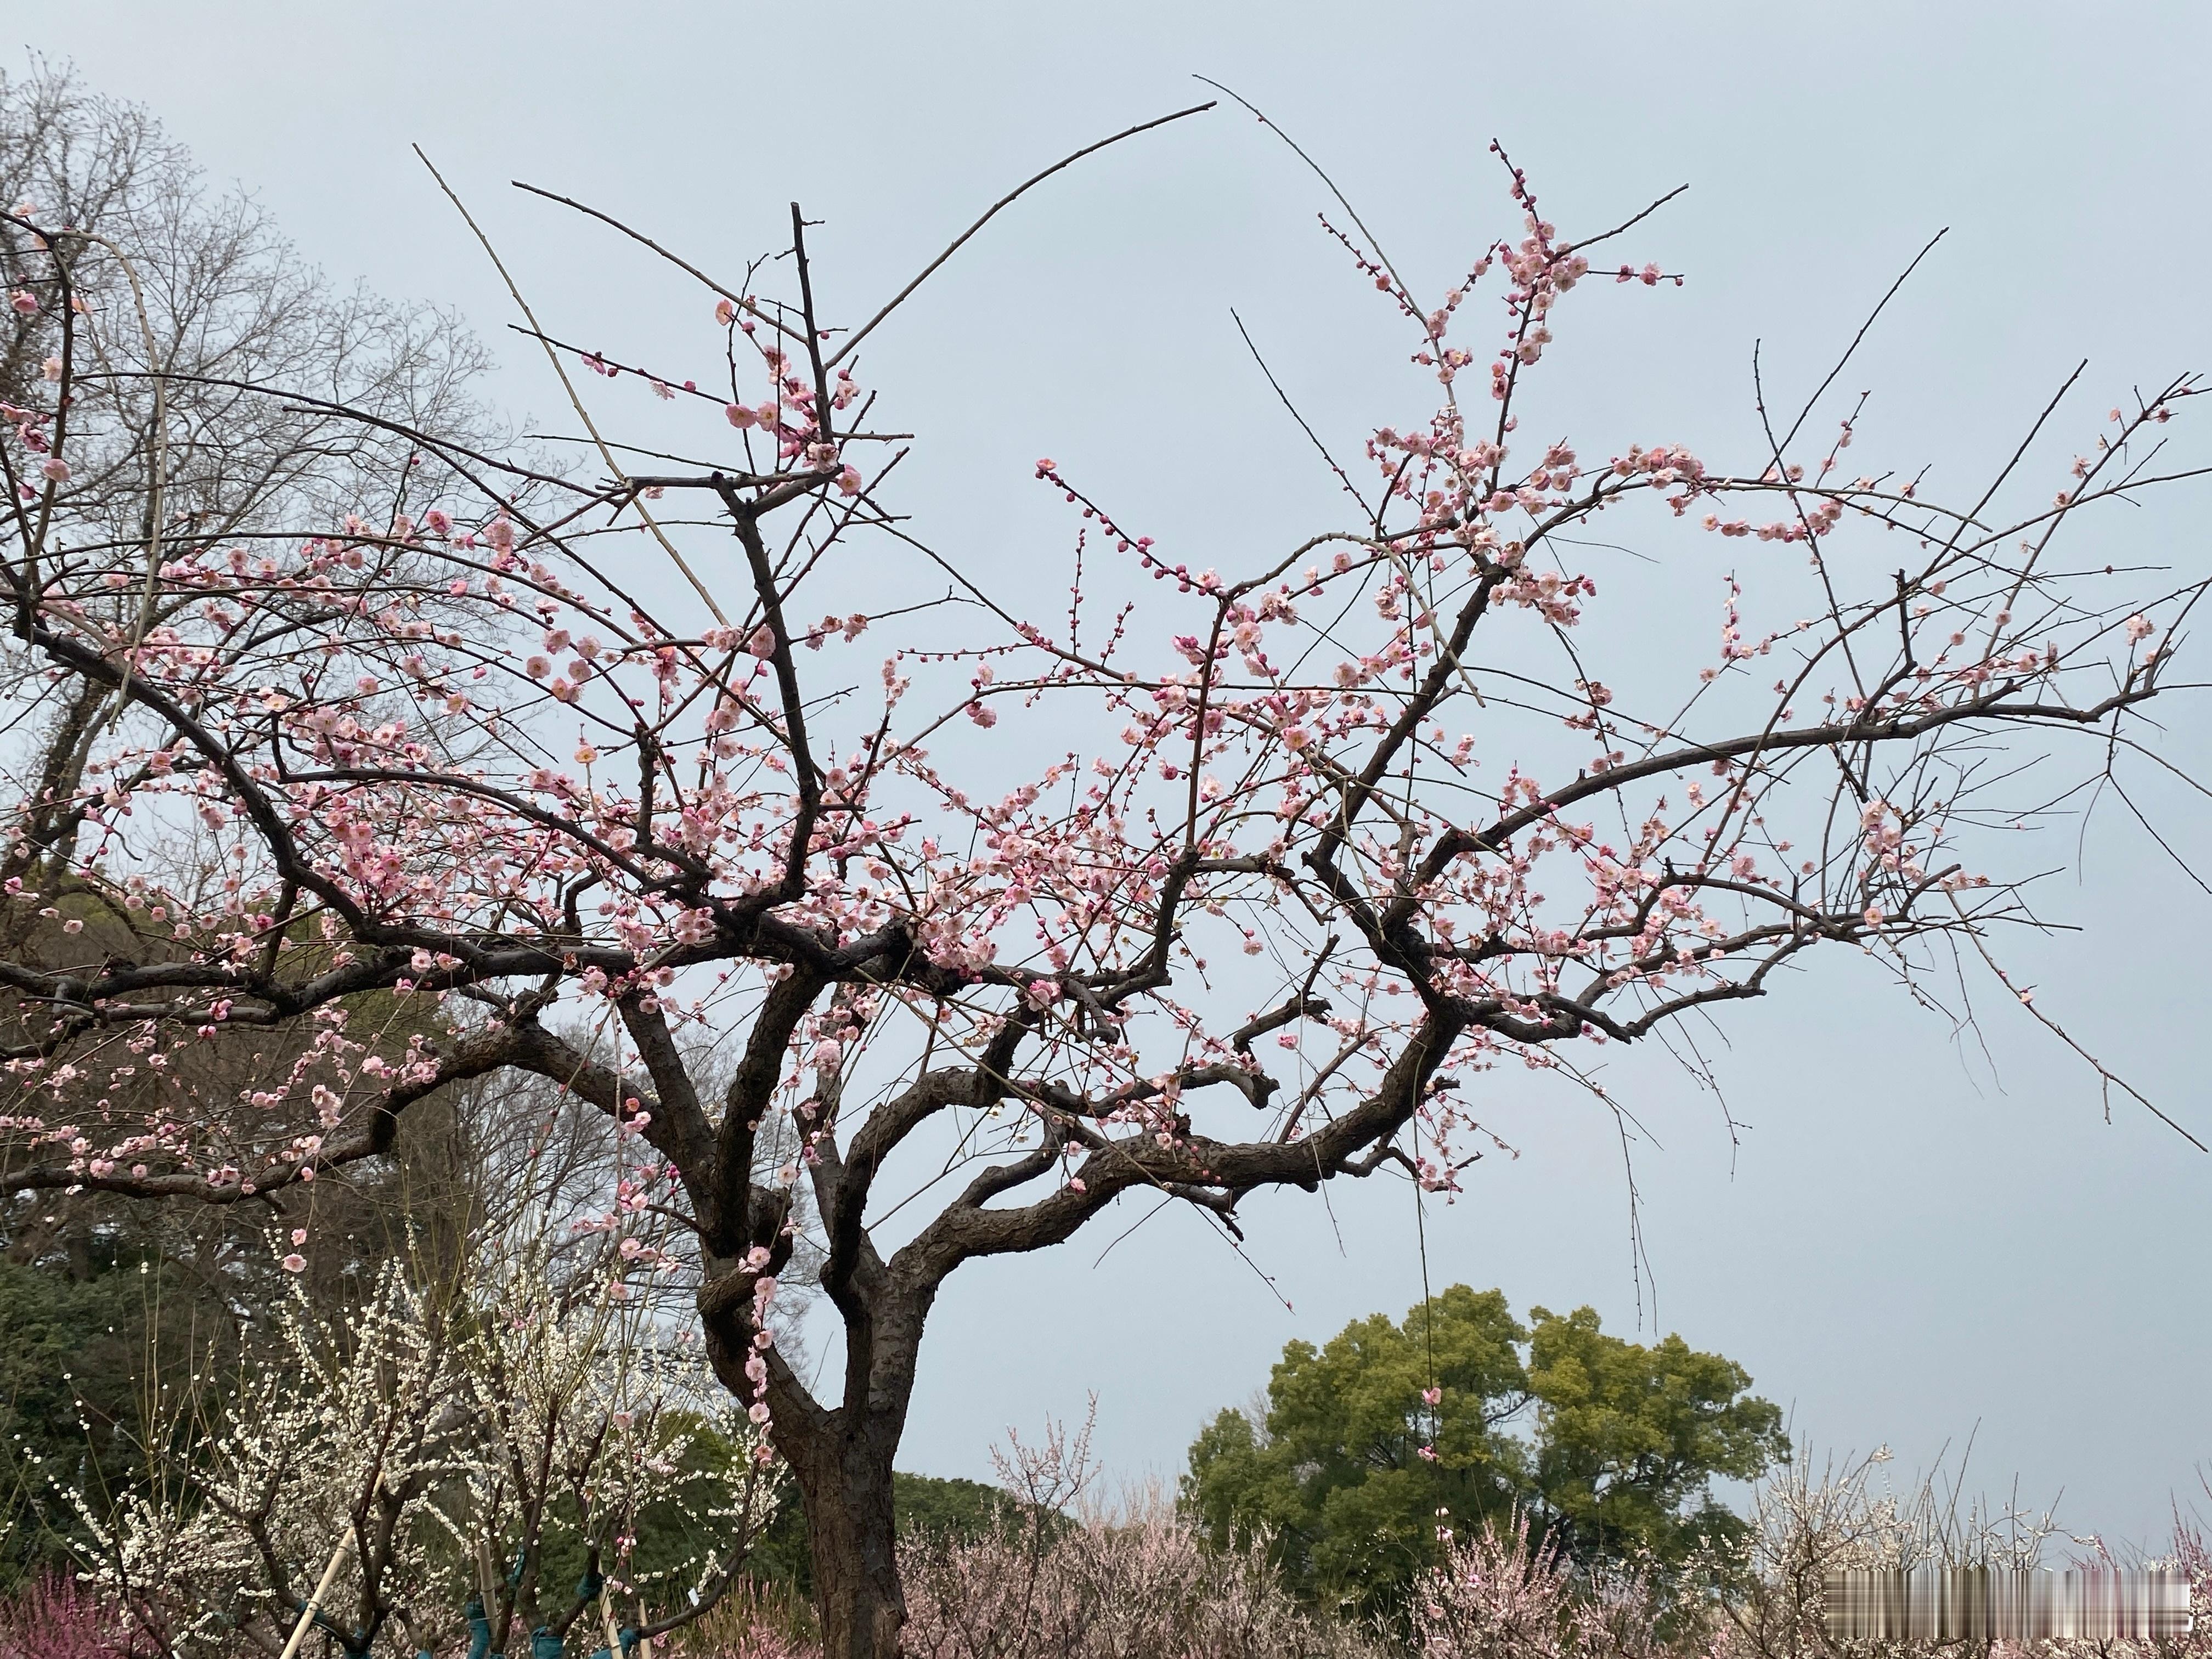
543 1644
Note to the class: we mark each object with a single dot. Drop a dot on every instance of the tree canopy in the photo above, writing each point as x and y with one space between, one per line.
1458 1414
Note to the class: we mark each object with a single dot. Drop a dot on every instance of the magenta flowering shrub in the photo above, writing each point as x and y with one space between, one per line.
56 1618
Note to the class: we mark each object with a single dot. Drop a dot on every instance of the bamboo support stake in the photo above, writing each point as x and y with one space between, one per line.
607 1615
315 1601
644 1642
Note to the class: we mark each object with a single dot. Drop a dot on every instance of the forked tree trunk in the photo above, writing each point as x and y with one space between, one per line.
840 1458
845 1487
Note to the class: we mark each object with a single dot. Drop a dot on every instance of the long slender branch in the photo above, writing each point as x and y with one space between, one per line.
992 212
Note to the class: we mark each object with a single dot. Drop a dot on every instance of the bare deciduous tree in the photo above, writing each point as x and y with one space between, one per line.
185 310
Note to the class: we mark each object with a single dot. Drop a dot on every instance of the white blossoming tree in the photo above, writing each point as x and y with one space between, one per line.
423 1470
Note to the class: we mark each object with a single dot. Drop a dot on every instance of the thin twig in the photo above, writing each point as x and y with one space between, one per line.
1806 412
576 403
1297 150
1007 200
744 302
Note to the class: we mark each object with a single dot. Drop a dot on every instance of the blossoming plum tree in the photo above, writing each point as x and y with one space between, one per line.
412 1449
1301 849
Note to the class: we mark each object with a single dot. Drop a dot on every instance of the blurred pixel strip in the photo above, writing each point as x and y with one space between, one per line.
1947 1603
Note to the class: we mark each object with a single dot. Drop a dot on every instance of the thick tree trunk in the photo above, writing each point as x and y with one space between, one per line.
844 1485
841 1461
840 1458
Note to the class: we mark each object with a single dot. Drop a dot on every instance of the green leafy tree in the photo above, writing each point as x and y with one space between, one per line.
66 1401
1629 1439
87 1343
1336 1469
1458 1414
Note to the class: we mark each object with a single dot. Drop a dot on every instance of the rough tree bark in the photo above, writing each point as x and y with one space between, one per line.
841 1463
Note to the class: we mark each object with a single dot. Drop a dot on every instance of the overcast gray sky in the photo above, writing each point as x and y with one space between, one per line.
1912 1243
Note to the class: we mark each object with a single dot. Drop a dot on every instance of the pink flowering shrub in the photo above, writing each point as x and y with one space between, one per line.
55 1619
763 1639
2191 1555
1149 1588
753 1621
1501 1595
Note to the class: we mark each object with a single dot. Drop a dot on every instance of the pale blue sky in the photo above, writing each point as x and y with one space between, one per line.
1907 1244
